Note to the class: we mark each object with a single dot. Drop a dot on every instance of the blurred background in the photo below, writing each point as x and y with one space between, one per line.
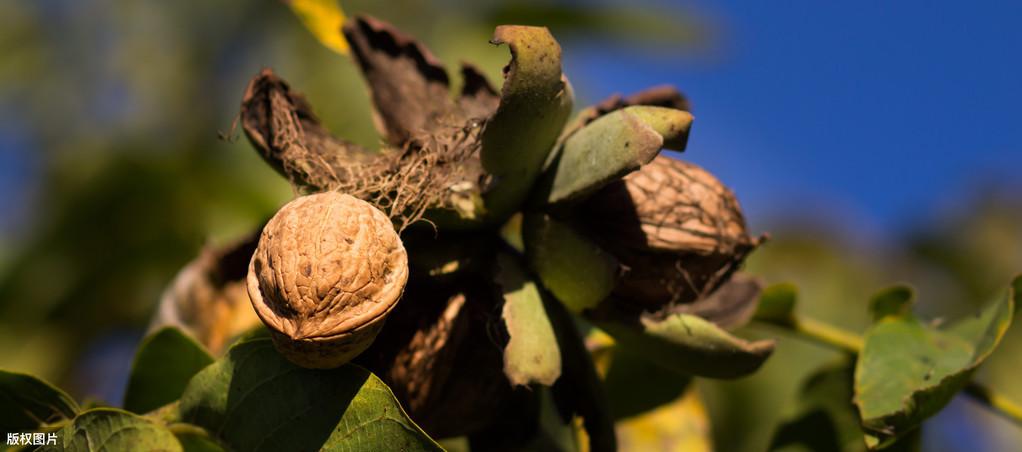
876 141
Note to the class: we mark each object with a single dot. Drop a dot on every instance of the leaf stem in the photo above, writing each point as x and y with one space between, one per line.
828 335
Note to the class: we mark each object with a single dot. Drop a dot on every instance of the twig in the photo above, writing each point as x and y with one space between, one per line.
826 334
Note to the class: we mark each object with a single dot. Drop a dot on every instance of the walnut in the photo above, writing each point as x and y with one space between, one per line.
327 271
676 229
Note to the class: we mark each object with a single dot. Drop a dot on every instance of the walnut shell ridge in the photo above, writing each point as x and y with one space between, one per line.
676 229
328 270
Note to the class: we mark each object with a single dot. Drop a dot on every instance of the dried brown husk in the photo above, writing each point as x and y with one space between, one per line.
327 271
208 299
409 87
678 232
403 182
730 307
441 353
431 159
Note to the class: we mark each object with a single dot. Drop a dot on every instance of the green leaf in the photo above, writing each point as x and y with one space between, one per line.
636 385
255 400
688 344
671 124
27 402
532 354
777 305
165 362
112 429
554 434
610 147
579 391
534 105
908 370
194 439
323 18
192 443
896 301
573 268
825 419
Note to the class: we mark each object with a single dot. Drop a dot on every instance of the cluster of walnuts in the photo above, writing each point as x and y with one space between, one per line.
388 258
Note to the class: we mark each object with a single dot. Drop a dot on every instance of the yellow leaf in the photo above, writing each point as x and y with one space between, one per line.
323 18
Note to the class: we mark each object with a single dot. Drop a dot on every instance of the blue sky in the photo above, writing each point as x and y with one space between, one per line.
877 114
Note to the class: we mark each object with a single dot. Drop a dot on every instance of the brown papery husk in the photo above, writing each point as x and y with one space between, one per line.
654 280
441 352
403 182
431 157
677 231
208 298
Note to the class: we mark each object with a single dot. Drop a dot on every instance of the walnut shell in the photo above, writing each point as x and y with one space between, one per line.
676 229
328 269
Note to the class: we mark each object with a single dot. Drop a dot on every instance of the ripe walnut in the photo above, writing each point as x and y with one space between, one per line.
678 231
328 269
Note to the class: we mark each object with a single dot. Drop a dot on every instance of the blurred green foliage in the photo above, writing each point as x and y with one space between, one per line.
955 264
